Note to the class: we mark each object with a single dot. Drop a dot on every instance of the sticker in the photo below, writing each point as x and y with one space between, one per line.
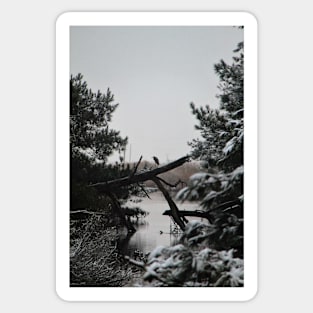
156 156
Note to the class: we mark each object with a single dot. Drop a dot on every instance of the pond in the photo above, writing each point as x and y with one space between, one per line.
155 229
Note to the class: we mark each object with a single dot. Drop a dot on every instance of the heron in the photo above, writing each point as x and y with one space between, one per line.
156 160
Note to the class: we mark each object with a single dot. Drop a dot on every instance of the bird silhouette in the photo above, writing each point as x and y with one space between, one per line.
156 160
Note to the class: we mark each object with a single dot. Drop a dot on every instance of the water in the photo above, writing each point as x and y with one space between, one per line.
154 229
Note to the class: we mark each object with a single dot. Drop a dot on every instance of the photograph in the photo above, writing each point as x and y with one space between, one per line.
156 155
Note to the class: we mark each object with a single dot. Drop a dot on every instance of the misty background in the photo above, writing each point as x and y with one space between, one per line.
154 73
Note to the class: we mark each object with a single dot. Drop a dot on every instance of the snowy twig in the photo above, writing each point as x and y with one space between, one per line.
134 262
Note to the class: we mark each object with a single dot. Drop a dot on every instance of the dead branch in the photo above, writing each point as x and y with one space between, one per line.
174 210
169 184
143 189
136 167
121 212
109 187
189 213
234 207
140 177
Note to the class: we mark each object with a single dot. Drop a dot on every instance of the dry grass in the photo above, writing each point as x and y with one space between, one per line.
94 257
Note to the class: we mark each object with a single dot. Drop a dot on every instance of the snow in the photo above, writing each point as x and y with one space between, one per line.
199 176
238 171
181 194
211 180
156 252
229 145
210 195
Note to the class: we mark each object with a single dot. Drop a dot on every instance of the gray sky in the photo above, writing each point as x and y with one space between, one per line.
154 73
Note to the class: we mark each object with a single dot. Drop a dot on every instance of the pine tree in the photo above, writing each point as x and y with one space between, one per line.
92 141
220 186
211 254
222 129
91 114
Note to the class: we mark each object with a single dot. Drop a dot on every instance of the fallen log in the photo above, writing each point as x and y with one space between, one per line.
109 187
139 177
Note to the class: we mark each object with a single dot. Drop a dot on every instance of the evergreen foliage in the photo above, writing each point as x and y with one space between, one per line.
220 186
193 262
94 255
92 141
222 129
91 114
212 254
206 254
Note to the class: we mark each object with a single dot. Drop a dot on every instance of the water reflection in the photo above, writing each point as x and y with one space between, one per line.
153 230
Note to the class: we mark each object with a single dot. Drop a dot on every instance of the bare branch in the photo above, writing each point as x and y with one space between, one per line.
174 210
109 187
136 167
149 175
170 185
143 189
121 212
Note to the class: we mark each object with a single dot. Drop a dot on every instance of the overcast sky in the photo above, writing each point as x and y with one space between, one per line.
154 73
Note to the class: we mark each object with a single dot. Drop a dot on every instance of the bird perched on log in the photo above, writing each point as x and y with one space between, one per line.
156 160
